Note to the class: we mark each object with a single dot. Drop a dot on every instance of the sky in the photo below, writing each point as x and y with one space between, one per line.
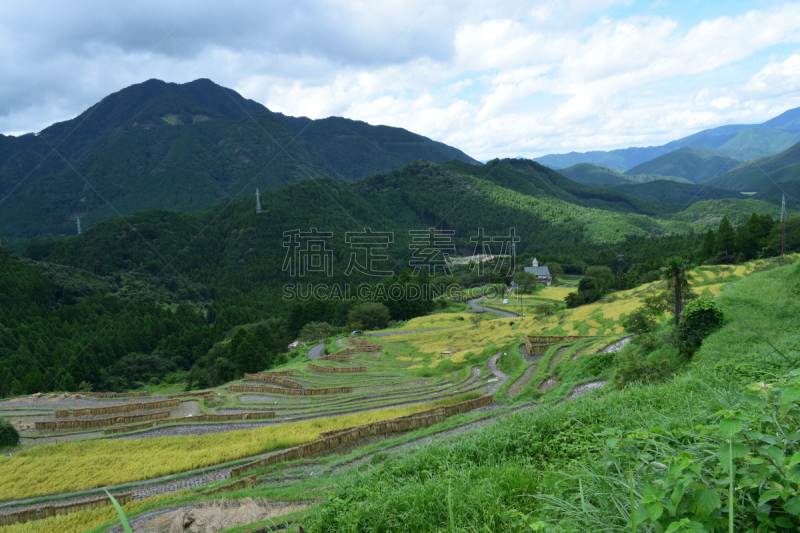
495 79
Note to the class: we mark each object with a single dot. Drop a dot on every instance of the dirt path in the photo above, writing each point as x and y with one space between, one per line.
501 376
339 342
647 289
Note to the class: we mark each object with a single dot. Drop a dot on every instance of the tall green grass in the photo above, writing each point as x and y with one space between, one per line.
547 468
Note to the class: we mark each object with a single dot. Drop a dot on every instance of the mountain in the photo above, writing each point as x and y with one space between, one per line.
185 147
590 174
694 164
228 247
758 174
356 149
674 192
764 139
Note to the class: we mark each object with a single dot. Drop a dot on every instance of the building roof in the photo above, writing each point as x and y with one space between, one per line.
538 271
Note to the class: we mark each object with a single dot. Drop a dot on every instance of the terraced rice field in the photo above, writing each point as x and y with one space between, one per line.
439 357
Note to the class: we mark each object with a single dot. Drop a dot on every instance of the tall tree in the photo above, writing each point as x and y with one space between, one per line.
676 274
708 249
726 237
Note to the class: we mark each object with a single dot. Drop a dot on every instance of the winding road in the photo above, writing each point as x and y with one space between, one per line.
315 352
479 308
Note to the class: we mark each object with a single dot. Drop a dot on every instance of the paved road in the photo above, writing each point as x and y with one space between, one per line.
479 308
315 352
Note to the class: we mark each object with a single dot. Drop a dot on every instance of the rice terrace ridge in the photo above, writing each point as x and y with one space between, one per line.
413 267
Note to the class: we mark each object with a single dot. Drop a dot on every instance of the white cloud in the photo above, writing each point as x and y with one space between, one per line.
777 78
504 79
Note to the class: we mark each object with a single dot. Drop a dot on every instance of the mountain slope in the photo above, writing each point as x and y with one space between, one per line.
590 174
758 174
626 158
674 192
379 148
762 138
238 249
166 145
693 164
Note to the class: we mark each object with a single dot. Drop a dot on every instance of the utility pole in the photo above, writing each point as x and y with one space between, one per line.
258 202
79 225
783 222
619 271
519 293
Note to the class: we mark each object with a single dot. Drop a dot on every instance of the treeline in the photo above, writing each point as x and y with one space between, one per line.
759 237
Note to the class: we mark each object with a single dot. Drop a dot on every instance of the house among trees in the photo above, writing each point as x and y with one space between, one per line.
542 273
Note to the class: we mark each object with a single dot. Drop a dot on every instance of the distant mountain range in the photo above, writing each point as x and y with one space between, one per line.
185 147
737 141
758 174
700 166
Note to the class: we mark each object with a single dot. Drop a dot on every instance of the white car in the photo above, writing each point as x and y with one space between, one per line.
505 301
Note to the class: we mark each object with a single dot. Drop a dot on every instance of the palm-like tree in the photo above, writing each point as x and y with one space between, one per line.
676 273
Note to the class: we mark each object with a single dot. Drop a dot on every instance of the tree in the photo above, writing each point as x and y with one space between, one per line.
675 273
525 281
369 315
8 434
250 355
709 246
597 282
316 331
726 238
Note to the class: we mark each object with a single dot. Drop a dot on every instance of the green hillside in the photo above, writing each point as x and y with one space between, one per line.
674 192
230 245
186 147
708 214
758 174
590 174
695 165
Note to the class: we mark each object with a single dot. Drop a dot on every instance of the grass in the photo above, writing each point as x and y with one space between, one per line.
512 474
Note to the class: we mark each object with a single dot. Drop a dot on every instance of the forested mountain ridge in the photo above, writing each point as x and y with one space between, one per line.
694 164
600 176
164 145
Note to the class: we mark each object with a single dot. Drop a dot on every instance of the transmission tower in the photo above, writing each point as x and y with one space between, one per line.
783 222
258 202
619 271
79 225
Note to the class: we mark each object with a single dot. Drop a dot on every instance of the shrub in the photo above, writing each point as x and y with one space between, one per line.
645 372
640 321
8 434
699 319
